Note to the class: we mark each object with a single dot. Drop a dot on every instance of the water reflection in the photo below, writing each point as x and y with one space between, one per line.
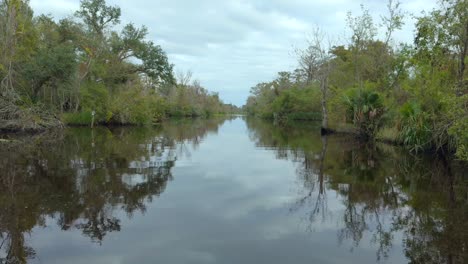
83 178
243 186
386 194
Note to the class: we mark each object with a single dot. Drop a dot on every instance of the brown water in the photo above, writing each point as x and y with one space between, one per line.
226 191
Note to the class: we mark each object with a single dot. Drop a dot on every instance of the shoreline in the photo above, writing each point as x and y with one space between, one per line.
335 130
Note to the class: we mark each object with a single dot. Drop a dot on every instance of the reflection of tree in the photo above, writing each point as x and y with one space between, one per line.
436 226
298 143
314 183
383 191
190 133
83 177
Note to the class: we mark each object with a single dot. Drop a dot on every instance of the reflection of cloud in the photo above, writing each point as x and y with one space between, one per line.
181 255
241 208
133 179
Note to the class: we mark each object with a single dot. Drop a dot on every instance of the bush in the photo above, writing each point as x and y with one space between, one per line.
298 104
459 131
95 97
414 128
78 118
136 108
315 116
365 108
457 116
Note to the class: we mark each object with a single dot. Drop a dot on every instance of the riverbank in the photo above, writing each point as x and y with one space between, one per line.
37 124
386 135
20 119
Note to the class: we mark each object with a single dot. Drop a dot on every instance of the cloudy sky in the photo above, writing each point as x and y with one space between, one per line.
231 45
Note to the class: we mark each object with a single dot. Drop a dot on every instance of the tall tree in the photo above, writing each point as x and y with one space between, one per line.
363 31
317 60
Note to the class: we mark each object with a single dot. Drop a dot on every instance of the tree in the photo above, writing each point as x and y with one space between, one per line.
97 16
16 43
155 64
52 67
363 31
317 61
443 34
394 21
454 20
131 43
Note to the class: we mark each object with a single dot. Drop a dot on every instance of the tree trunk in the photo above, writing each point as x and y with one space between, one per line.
324 88
462 66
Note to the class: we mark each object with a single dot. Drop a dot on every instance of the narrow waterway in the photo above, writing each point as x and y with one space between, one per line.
226 191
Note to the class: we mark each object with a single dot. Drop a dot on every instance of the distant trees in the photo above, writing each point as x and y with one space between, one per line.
414 94
189 98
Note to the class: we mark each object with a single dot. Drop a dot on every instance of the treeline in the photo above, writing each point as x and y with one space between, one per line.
413 94
88 63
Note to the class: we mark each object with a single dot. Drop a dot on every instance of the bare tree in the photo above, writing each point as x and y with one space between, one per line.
184 78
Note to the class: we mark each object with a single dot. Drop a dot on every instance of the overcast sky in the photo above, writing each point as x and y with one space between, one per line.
231 45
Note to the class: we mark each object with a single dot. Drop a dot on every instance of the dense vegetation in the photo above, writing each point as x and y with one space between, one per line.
414 94
68 69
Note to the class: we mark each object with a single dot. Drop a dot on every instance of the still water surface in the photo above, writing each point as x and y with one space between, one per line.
226 191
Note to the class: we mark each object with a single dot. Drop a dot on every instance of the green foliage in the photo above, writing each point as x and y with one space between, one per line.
286 97
49 70
458 125
83 118
192 100
365 109
135 107
414 127
83 64
411 94
95 97
97 15
315 116
460 133
298 104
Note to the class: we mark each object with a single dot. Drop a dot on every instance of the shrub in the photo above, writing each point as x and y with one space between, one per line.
95 97
457 117
137 108
459 131
365 108
414 129
298 104
78 118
